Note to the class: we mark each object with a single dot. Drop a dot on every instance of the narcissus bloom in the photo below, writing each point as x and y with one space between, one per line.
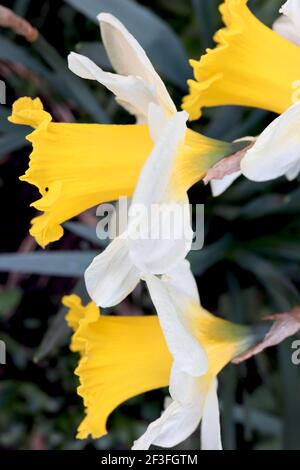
153 243
264 73
122 357
251 66
149 244
77 166
276 151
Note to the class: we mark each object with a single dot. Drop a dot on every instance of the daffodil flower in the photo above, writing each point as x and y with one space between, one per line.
193 393
250 66
247 81
78 166
148 246
144 246
122 357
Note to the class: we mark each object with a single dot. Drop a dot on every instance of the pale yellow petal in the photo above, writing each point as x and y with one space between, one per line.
78 166
197 155
221 339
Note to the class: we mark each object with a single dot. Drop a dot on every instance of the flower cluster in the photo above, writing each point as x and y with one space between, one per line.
154 162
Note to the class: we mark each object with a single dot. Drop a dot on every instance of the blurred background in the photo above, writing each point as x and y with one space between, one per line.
248 268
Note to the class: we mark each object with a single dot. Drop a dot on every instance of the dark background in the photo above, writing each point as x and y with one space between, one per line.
248 268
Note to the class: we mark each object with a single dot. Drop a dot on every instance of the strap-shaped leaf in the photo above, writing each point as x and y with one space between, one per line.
59 263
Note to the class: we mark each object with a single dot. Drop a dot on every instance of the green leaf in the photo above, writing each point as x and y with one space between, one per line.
204 13
203 259
282 292
56 335
59 263
12 52
246 126
96 52
9 300
290 380
80 92
261 421
11 142
263 205
155 36
58 331
236 299
228 390
86 232
10 128
280 249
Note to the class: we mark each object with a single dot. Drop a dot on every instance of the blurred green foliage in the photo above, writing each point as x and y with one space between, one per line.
249 267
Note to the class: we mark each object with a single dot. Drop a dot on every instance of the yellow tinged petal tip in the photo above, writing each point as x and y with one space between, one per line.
250 66
198 154
221 339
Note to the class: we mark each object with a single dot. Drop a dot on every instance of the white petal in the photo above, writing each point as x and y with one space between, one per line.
160 233
186 389
129 58
111 276
157 120
132 92
287 29
219 186
162 238
288 24
291 9
293 171
175 425
156 173
210 428
276 150
181 278
183 414
177 327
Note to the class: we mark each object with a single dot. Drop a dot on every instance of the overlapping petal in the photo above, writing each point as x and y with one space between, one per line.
276 151
129 58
